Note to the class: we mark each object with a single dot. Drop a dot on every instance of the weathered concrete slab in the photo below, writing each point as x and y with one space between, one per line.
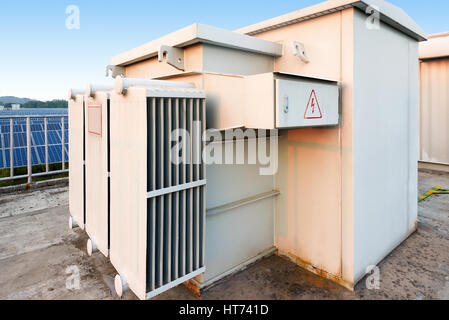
36 248
418 269
19 203
35 252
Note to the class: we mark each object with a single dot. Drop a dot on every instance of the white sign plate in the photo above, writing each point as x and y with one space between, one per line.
306 103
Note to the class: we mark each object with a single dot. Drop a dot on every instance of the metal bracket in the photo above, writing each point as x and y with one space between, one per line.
74 92
175 56
116 71
300 51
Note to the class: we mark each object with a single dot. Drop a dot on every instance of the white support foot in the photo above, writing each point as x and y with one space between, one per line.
121 286
91 247
72 223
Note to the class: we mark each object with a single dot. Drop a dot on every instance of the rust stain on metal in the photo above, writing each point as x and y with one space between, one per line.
317 271
193 287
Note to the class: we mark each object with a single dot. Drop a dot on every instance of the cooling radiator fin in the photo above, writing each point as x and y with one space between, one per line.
176 192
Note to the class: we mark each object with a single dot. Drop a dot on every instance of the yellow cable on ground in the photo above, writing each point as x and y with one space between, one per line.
436 190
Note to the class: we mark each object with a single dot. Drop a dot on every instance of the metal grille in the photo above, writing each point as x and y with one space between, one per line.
176 193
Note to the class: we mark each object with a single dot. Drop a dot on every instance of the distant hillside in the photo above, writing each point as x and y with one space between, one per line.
34 104
54 104
10 99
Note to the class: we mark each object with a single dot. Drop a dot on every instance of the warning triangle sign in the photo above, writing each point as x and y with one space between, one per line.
313 110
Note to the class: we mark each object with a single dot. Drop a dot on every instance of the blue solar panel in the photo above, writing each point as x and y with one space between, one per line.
53 137
55 127
6 140
20 157
34 112
6 163
34 157
41 153
37 127
20 140
37 137
54 154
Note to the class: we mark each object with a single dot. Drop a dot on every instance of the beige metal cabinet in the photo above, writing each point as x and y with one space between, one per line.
157 206
97 171
434 108
345 121
76 158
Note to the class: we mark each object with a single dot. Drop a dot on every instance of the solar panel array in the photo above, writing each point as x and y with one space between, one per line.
54 137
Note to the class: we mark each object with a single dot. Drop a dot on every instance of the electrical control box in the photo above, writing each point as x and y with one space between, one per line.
305 103
281 101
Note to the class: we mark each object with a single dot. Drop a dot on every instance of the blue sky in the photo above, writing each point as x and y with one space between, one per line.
40 58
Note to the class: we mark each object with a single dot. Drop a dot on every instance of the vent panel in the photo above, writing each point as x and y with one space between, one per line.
176 192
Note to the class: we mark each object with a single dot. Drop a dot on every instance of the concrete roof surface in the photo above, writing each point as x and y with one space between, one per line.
37 249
